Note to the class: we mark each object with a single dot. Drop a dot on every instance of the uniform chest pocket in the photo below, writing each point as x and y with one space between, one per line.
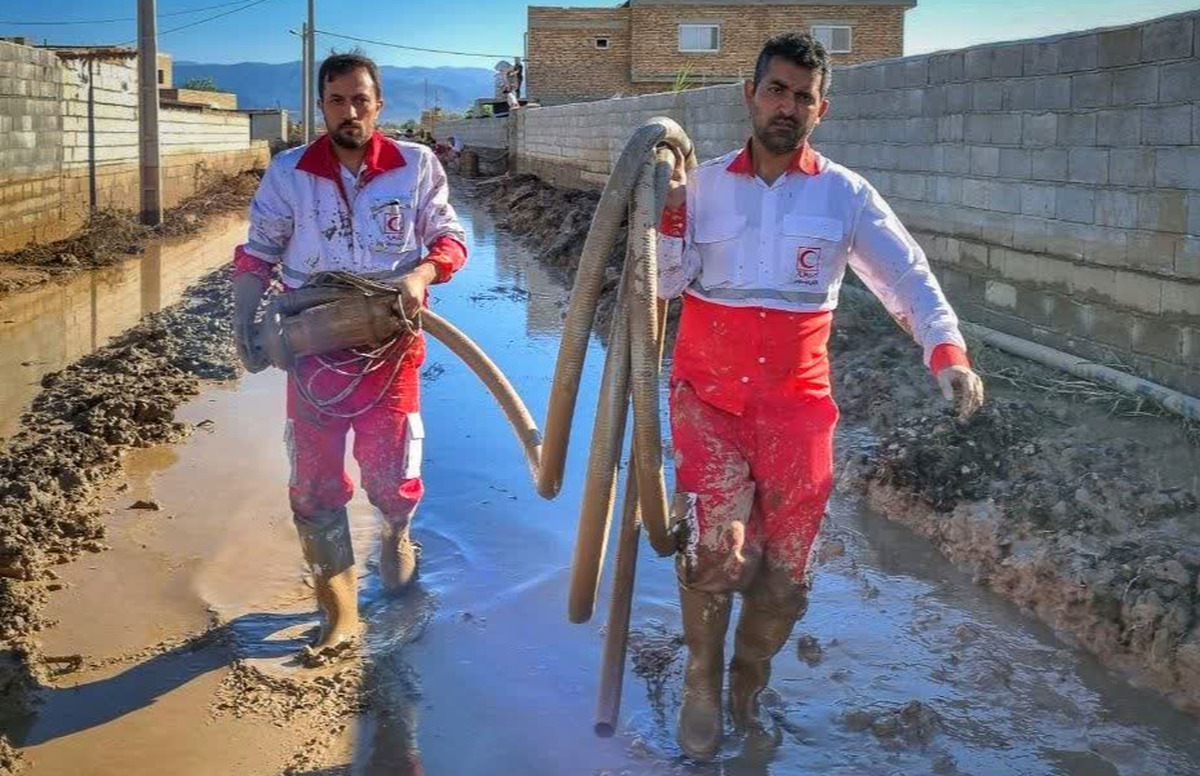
392 220
718 240
807 245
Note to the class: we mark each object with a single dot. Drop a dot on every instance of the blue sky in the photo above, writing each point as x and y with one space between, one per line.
260 33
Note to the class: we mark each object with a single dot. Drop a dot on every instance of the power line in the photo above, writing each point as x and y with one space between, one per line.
205 20
411 48
123 19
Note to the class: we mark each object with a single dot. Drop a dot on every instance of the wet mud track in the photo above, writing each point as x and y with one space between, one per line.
185 627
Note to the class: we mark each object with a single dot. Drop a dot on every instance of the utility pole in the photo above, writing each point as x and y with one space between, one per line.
311 43
151 173
305 84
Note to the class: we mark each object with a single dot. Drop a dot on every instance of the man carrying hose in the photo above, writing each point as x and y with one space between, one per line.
352 201
757 242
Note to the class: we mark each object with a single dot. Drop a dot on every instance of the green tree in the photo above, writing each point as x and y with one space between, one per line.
201 85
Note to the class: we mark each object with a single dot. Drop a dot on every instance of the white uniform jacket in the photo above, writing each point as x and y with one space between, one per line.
311 214
786 246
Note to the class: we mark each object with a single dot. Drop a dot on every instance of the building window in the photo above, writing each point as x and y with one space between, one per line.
601 43
699 37
162 78
836 40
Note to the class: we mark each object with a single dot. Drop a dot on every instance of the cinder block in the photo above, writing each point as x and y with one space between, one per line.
1180 82
1132 167
1088 165
1050 164
999 294
950 129
1193 209
1112 327
1030 233
1015 163
985 160
1072 203
1187 257
1156 337
1004 197
1039 129
1078 53
1120 47
1151 250
978 63
1181 299
988 96
1091 90
1005 129
1020 94
1163 210
1171 125
1077 129
1041 58
1008 61
957 159
1038 200
958 98
1167 39
1119 127
1116 208
1191 346
975 193
1178 168
1052 92
977 128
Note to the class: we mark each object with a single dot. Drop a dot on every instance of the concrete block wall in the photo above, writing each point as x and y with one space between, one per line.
69 141
1054 183
477 133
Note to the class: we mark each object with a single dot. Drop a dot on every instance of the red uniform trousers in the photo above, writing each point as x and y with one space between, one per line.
388 438
761 482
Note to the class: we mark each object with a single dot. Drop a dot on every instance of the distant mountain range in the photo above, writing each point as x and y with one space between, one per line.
406 90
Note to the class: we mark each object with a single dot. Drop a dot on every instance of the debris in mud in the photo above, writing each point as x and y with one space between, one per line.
11 761
914 724
654 651
808 649
147 506
72 439
110 236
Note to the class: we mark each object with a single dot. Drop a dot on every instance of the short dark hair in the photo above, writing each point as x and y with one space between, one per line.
800 49
340 64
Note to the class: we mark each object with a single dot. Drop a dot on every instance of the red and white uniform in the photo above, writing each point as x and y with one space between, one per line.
760 267
311 214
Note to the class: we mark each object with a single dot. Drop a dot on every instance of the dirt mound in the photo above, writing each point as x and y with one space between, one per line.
110 236
11 761
913 724
72 439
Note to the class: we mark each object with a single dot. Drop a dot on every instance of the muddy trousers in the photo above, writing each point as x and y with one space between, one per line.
751 494
388 440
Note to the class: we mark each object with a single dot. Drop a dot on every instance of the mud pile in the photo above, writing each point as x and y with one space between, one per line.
110 236
71 442
1082 526
11 761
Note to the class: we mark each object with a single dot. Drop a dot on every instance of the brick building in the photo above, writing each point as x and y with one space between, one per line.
645 46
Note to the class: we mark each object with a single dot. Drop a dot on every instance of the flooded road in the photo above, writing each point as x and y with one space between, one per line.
902 665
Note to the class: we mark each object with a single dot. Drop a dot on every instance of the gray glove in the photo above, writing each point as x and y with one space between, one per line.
248 291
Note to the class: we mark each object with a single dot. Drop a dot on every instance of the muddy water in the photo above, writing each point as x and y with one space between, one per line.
907 668
51 325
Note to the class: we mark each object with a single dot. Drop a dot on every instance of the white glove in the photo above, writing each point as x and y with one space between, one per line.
963 387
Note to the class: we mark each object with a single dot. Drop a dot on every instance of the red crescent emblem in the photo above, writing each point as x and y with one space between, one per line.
806 256
394 223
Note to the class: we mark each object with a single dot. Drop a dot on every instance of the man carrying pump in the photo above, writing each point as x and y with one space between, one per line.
355 202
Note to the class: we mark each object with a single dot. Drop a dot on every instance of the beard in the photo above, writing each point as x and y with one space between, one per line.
782 136
350 136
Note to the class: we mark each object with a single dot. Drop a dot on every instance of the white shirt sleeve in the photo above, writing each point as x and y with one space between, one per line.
678 259
436 217
894 267
271 220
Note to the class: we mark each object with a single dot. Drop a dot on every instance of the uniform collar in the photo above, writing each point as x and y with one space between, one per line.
806 160
382 155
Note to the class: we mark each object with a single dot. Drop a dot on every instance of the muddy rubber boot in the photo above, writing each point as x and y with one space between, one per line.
325 540
398 557
705 621
767 618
